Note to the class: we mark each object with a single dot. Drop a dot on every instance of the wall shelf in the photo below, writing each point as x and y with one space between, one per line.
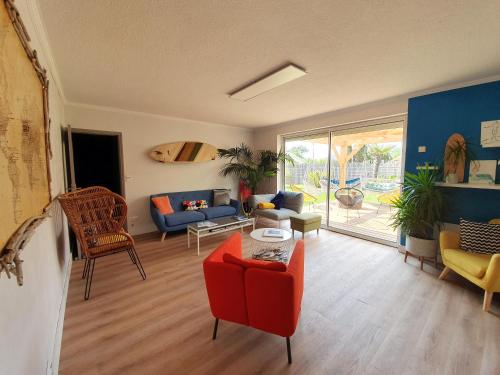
469 186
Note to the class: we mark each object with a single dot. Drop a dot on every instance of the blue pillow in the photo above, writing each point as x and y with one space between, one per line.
278 200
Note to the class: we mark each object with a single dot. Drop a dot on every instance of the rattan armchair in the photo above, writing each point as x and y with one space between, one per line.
97 217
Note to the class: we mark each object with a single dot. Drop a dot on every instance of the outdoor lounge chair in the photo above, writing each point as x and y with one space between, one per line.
350 198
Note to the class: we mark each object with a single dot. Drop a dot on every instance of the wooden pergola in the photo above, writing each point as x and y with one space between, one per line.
343 153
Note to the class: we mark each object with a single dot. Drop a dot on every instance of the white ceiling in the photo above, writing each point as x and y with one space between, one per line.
181 58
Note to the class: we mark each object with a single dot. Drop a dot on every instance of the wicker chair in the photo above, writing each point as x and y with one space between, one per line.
350 198
97 216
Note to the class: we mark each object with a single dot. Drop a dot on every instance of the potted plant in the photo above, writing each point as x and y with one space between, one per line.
250 168
419 209
456 154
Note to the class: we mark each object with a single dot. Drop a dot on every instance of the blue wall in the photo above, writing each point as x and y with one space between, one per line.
433 118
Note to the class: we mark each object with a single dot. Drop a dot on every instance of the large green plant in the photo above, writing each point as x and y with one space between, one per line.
249 167
420 206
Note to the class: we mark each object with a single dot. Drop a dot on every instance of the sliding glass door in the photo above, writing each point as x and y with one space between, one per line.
309 172
349 176
365 170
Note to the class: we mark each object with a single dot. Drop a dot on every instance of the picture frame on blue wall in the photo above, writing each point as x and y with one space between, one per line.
490 133
482 172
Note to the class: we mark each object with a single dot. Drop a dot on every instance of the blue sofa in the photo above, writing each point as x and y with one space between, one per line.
180 219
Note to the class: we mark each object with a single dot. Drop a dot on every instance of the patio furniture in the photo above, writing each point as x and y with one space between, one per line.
305 222
97 216
308 198
259 294
352 183
292 204
387 199
350 198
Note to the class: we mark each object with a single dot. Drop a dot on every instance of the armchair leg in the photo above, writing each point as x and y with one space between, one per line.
85 268
288 350
137 262
90 274
487 300
445 272
214 336
163 236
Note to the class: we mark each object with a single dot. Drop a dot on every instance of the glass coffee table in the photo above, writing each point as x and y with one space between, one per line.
219 225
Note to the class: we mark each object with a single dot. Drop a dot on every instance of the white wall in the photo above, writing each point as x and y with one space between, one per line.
31 316
140 133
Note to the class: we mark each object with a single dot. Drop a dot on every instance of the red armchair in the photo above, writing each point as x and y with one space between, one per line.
259 294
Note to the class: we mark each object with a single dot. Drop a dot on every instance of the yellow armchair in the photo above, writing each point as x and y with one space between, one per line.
480 269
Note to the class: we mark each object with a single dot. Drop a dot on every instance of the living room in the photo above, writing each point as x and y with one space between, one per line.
230 122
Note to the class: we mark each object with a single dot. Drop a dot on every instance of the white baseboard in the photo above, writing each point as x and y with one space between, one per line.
53 366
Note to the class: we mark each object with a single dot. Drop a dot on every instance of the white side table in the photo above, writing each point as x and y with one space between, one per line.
261 244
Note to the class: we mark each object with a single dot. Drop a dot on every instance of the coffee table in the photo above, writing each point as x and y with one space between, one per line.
224 224
262 244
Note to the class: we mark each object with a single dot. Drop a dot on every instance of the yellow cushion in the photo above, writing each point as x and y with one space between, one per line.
473 264
494 221
265 205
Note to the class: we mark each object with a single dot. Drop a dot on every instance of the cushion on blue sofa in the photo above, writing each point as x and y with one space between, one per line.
183 217
219 211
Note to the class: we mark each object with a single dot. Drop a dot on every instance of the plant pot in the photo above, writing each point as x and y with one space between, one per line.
451 178
420 247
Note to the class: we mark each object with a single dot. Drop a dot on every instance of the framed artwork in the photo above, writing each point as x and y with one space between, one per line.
490 133
482 172
24 128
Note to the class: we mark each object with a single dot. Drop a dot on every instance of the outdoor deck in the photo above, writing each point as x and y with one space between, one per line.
373 219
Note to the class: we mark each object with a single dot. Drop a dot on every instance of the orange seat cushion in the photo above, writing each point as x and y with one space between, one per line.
163 204
472 263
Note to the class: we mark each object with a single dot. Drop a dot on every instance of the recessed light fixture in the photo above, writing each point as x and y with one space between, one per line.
270 81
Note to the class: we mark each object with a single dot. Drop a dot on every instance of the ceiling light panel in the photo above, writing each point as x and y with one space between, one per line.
283 75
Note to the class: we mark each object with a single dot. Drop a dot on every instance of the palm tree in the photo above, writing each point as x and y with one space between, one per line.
250 168
379 153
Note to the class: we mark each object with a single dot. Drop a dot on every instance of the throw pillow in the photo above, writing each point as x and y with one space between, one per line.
253 263
189 205
221 198
479 237
163 205
265 205
202 203
278 200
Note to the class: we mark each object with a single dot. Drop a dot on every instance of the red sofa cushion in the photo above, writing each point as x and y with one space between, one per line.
253 263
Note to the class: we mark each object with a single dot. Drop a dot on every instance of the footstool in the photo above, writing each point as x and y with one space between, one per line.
305 222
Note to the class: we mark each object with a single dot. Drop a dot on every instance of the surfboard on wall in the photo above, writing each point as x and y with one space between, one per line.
184 152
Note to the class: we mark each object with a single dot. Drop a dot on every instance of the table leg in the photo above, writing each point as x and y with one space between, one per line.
189 242
198 239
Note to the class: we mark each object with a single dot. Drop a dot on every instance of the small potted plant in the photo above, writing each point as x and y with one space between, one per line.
456 154
419 209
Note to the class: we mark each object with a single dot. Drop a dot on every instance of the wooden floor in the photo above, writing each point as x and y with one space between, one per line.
364 312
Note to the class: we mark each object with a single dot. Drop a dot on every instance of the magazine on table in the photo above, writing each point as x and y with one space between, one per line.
206 224
272 255
276 233
239 217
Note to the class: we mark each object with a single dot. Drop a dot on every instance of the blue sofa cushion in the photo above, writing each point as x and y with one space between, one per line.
219 211
183 217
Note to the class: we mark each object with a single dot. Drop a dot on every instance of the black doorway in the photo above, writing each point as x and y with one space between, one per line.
95 159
